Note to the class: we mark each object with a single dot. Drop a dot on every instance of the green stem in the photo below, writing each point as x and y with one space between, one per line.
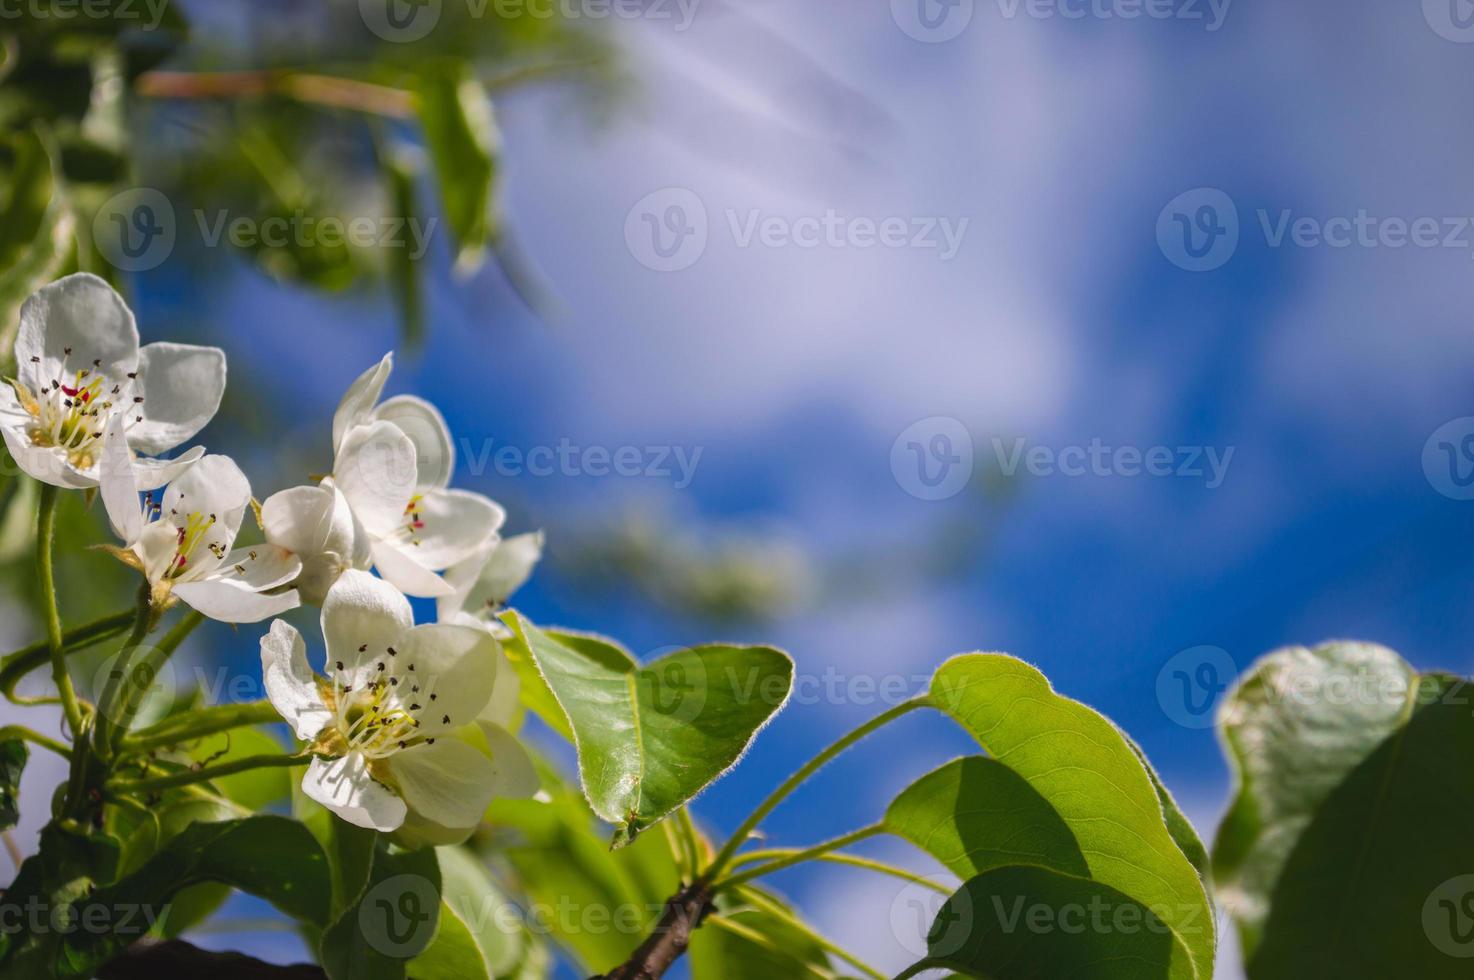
55 645
120 678
799 857
35 737
15 666
152 663
854 861
729 851
773 908
193 776
914 970
197 724
691 839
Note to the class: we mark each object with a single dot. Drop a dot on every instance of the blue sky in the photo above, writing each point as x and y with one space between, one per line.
1061 320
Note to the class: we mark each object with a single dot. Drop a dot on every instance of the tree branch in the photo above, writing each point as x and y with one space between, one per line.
683 914
151 959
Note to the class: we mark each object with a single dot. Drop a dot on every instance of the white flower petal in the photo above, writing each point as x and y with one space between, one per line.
435 455
358 402
501 709
290 684
344 786
458 524
362 611
454 668
157 548
46 465
154 473
317 524
375 470
399 566
260 567
213 485
516 774
230 602
448 783
181 386
85 314
119 486
485 581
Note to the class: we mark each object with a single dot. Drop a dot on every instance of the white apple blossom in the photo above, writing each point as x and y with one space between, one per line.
484 582
79 367
182 541
389 723
392 464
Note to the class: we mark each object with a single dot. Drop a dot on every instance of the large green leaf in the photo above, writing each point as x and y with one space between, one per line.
254 789
1291 740
271 857
66 868
461 135
651 738
1349 847
1079 762
976 814
595 903
13 755
391 922
1178 825
1031 923
478 938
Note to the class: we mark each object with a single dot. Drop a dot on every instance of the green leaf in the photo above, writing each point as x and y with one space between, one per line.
461 135
1178 825
1291 745
479 936
349 849
976 814
13 756
254 789
649 739
1359 867
271 857
1031 923
535 695
561 863
785 951
1077 760
391 923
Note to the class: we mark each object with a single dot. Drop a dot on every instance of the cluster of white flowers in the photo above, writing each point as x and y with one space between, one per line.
408 724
